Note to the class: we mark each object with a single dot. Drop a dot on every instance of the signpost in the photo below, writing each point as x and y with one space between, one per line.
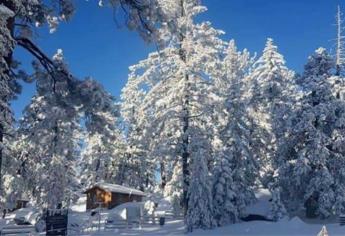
56 222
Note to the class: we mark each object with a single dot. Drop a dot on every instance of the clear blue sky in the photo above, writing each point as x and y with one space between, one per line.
94 45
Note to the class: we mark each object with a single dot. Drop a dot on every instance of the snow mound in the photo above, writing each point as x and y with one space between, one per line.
296 221
119 212
80 205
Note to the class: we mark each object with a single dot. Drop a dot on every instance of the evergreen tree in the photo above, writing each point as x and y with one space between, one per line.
271 91
101 157
314 161
173 106
272 99
173 188
18 21
235 170
137 167
200 211
51 137
51 132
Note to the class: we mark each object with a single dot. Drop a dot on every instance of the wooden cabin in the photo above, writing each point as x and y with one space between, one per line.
111 195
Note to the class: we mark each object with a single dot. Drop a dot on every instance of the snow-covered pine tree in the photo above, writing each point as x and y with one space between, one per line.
235 170
272 89
137 167
18 20
51 138
200 209
104 145
50 129
173 188
98 164
201 60
278 210
226 210
15 179
313 172
174 110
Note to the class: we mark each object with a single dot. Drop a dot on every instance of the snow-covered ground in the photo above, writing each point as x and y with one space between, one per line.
294 226
88 225
285 227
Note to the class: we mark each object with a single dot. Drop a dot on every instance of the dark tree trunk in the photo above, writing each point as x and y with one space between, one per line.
185 123
163 175
185 163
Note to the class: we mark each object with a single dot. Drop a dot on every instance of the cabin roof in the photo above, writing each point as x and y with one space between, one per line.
115 188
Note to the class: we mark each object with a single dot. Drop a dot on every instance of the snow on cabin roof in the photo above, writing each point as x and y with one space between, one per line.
115 188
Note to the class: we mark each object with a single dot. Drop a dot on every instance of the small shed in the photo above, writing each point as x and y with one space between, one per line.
111 195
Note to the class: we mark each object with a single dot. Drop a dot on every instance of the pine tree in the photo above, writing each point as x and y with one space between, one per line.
173 188
15 177
137 167
235 167
314 161
51 132
173 107
278 210
271 88
272 98
101 157
200 211
18 22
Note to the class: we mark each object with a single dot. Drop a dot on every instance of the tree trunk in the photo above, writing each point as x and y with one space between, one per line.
185 163
163 175
185 122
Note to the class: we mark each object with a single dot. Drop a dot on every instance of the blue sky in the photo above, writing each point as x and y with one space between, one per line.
96 45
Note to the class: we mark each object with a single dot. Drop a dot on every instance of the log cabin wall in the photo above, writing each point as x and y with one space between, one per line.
120 198
96 195
109 200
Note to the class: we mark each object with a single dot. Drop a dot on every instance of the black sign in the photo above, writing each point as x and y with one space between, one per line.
56 222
